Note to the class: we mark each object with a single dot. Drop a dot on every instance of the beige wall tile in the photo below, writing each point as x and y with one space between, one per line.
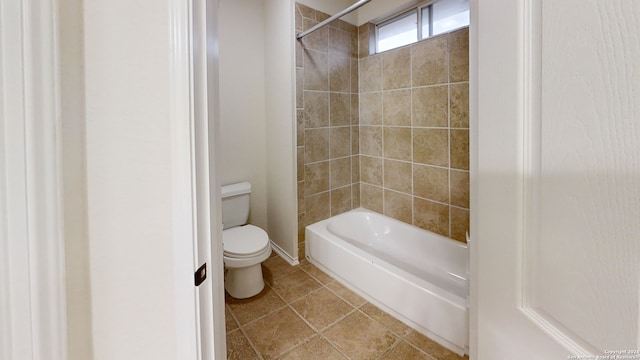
300 162
398 176
370 140
317 40
299 54
355 139
460 105
459 223
340 172
301 196
370 74
340 200
316 177
396 68
299 127
459 55
298 18
371 170
316 145
431 183
371 197
429 62
406 161
320 16
355 168
306 11
339 41
299 87
363 40
371 108
316 109
340 109
460 188
355 86
340 141
431 106
397 143
398 206
430 146
317 208
431 216
355 109
339 72
355 195
396 107
316 70
460 149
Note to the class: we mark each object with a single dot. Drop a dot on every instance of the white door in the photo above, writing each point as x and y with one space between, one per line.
555 179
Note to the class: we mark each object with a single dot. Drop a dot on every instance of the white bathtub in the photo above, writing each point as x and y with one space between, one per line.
418 276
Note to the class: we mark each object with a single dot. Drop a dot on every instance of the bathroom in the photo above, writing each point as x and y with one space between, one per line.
367 186
552 172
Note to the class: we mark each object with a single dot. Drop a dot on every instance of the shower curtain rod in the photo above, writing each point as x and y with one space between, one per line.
334 17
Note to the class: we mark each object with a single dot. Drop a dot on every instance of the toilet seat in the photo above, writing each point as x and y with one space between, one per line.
244 241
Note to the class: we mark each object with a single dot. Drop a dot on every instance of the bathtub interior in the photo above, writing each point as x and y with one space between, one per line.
427 256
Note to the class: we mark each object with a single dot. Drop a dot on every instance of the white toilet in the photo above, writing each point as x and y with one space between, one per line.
245 246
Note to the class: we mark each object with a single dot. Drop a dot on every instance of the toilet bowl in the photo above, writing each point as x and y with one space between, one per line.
245 246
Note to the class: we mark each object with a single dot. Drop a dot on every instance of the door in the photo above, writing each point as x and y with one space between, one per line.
556 168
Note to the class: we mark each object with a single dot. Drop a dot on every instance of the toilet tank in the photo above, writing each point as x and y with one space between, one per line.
235 204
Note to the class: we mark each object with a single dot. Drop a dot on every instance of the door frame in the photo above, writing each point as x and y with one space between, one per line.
32 252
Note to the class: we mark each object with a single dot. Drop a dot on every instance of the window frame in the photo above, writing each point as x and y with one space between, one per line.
418 9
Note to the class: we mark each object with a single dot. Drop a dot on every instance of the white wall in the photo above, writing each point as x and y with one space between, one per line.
242 101
366 13
281 124
74 180
332 7
129 179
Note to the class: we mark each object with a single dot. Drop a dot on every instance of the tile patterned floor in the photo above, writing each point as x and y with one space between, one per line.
305 314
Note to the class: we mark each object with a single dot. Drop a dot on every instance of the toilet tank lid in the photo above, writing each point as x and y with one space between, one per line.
236 189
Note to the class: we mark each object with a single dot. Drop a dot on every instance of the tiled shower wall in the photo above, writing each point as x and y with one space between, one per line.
414 132
327 116
391 126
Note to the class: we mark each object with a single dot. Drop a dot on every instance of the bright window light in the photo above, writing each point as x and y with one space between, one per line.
449 15
399 32
435 18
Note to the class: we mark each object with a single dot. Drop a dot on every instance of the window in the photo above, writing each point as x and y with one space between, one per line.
422 22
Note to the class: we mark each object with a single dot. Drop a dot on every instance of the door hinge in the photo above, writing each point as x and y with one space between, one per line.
200 274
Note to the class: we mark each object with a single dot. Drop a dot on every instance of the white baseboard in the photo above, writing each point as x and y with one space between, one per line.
283 254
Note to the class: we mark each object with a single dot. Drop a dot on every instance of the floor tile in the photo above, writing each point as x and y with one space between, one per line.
238 347
404 351
295 285
275 267
278 332
254 307
360 337
315 349
431 347
321 308
385 319
230 323
342 291
316 273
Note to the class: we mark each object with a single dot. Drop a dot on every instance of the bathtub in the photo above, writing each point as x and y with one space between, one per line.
417 276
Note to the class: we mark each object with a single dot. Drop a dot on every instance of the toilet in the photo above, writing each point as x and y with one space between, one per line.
245 246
